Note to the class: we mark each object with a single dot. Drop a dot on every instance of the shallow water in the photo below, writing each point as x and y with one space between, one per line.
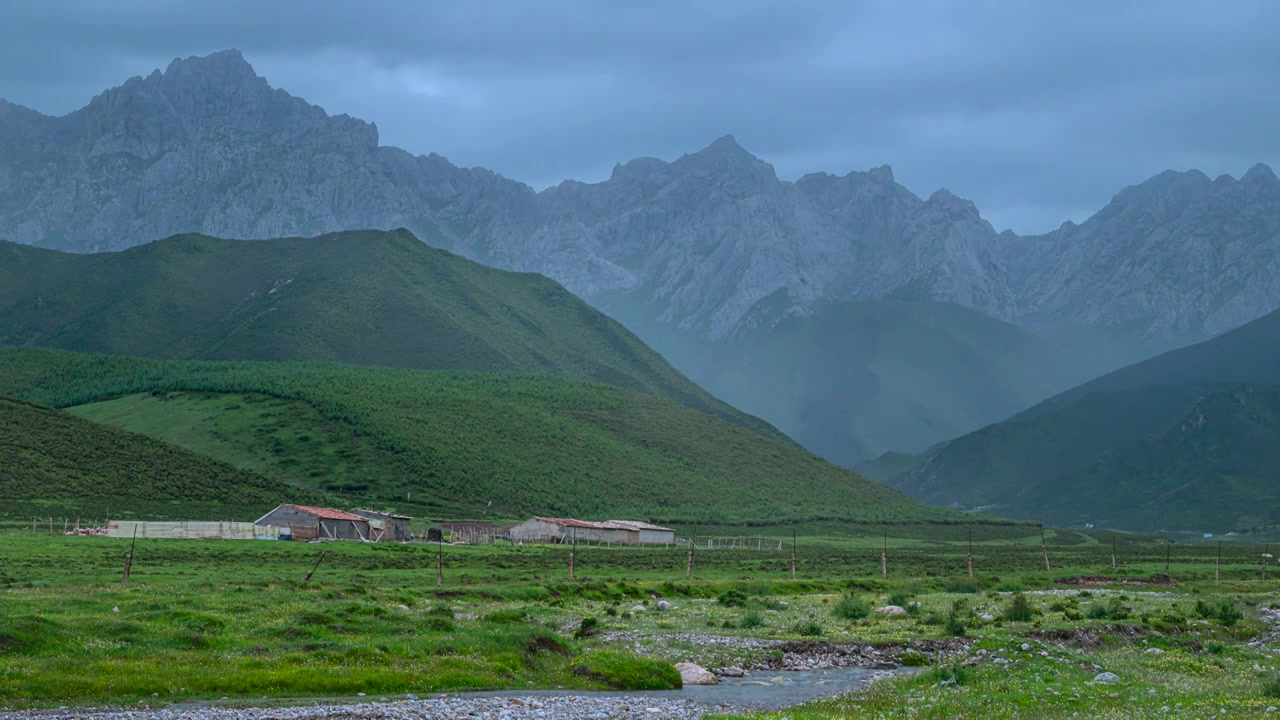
762 689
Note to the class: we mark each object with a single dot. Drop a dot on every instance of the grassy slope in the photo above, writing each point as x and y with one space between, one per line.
460 441
1188 440
367 298
860 379
52 463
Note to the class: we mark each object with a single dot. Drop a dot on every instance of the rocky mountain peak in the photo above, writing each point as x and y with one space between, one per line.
1261 176
725 155
883 174
954 206
225 66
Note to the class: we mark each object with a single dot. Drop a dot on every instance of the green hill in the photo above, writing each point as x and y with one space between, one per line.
55 464
440 443
366 298
859 379
1187 441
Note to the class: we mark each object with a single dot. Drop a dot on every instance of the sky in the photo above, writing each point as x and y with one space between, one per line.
1039 112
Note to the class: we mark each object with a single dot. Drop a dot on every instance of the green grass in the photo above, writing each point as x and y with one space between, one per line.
52 463
362 297
206 619
461 444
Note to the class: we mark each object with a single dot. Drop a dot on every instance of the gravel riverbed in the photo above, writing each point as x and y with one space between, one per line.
565 707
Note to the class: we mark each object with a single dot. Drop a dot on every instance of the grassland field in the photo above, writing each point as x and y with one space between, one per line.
204 620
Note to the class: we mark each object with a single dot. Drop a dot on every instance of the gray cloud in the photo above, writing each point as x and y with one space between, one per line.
1039 112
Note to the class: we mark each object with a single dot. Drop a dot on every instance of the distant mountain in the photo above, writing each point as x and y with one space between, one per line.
1186 441
1175 259
856 378
54 463
690 249
368 298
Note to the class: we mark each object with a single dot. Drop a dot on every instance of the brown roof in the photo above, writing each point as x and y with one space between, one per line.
568 522
328 513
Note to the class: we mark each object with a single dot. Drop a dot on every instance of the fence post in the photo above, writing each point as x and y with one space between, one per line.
1044 547
793 553
571 551
688 565
1217 562
970 553
884 558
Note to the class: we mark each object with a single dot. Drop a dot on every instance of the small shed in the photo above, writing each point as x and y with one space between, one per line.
558 530
646 533
306 522
386 526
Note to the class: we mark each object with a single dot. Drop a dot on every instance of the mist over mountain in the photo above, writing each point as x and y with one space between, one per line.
701 255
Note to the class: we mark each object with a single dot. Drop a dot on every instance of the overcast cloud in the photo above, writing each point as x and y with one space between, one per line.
1038 111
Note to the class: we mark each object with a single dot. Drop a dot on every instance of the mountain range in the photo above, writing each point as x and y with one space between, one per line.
707 256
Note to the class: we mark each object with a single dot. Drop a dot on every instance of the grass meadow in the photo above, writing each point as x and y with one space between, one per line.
206 620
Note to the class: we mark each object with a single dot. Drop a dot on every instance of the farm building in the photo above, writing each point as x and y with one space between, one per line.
310 523
190 530
386 526
622 532
648 534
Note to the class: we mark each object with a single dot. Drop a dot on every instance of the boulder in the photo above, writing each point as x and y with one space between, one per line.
663 605
637 609
891 610
732 671
691 674
1106 677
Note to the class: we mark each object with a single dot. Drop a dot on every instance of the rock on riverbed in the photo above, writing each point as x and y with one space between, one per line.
691 674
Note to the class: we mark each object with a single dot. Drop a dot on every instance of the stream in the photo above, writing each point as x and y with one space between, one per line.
761 690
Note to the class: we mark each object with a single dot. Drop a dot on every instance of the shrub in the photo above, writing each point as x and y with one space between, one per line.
1018 609
954 625
911 658
588 627
732 598
851 607
900 598
954 675
622 671
505 617
963 586
1113 610
1271 686
811 629
751 620
1228 614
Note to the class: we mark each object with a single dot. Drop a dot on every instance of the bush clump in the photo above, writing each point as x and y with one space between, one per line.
911 658
623 671
732 598
851 607
1018 609
963 586
811 629
1226 613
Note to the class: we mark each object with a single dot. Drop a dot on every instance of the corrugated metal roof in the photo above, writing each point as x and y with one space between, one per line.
637 525
327 513
569 522
384 514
